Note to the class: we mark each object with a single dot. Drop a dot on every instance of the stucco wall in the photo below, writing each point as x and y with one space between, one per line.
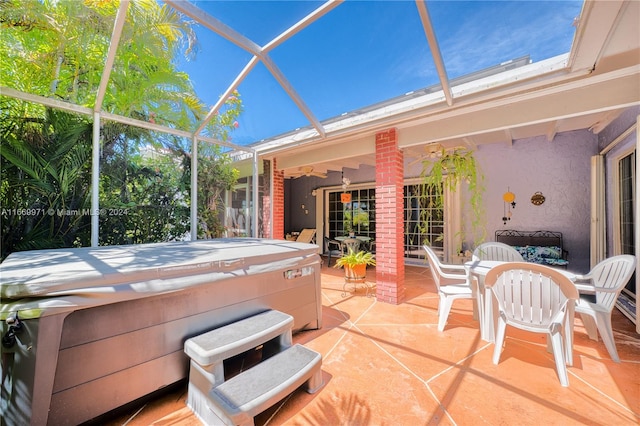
560 170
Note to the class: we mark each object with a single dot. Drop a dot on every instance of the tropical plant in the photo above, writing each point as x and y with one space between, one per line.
449 171
353 258
215 176
57 49
45 172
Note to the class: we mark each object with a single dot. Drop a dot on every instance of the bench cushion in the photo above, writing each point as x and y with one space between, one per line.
544 255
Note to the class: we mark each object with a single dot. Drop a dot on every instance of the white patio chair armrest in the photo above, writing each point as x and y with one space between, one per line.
454 268
454 276
606 290
582 278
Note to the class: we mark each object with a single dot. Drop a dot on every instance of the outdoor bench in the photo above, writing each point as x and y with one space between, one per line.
542 247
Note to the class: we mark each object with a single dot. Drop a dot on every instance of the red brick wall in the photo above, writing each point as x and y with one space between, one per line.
278 202
389 218
266 200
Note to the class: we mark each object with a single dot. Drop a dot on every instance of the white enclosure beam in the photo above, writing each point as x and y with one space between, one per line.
215 25
588 45
435 50
300 25
194 189
95 182
271 66
42 100
111 54
233 86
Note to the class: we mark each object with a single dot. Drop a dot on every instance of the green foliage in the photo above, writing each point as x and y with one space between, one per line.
142 193
353 258
58 49
44 165
215 176
449 171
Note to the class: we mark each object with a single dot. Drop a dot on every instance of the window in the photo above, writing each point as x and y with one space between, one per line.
358 215
422 222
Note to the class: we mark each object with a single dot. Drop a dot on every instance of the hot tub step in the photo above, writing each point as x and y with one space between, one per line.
240 336
209 350
238 400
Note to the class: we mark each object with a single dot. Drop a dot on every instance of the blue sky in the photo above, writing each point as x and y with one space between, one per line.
364 52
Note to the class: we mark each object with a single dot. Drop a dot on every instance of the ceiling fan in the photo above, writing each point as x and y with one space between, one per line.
306 171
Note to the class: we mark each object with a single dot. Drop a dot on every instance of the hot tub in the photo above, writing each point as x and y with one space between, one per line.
101 327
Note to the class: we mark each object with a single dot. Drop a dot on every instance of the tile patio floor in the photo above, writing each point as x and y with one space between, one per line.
387 364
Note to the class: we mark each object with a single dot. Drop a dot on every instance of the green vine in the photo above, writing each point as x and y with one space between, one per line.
446 171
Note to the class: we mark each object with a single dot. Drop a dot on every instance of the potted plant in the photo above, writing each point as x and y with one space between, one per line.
446 171
355 265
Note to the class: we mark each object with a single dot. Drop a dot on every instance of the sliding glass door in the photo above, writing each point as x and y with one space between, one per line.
357 213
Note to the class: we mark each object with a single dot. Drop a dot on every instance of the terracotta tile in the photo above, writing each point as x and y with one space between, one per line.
388 364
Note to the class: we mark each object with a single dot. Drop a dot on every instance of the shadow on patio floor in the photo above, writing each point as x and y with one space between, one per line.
388 364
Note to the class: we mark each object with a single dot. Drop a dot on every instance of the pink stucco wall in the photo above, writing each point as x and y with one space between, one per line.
560 169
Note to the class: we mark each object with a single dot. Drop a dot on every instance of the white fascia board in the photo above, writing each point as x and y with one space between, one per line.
527 72
596 94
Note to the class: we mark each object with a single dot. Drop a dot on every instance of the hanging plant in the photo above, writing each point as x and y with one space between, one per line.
449 170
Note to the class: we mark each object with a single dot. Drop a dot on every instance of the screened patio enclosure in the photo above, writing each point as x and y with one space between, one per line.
319 80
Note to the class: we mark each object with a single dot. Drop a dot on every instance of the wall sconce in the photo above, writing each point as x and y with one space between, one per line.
509 203
314 193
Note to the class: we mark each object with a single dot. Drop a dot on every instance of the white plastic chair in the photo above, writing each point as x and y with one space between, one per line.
493 250
539 299
608 278
451 282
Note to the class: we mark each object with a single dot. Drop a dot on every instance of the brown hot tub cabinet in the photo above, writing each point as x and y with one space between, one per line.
100 327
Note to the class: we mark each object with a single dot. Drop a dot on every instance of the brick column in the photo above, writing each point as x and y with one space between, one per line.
265 229
389 218
277 198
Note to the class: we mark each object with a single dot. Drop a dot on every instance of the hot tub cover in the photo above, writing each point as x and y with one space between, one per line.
33 281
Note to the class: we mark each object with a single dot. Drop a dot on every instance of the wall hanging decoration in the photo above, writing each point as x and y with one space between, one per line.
537 198
345 197
509 203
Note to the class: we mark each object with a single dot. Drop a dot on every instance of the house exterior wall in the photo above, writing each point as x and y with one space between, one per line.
605 138
561 170
299 194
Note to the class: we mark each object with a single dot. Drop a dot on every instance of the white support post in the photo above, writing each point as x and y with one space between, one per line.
194 189
95 181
